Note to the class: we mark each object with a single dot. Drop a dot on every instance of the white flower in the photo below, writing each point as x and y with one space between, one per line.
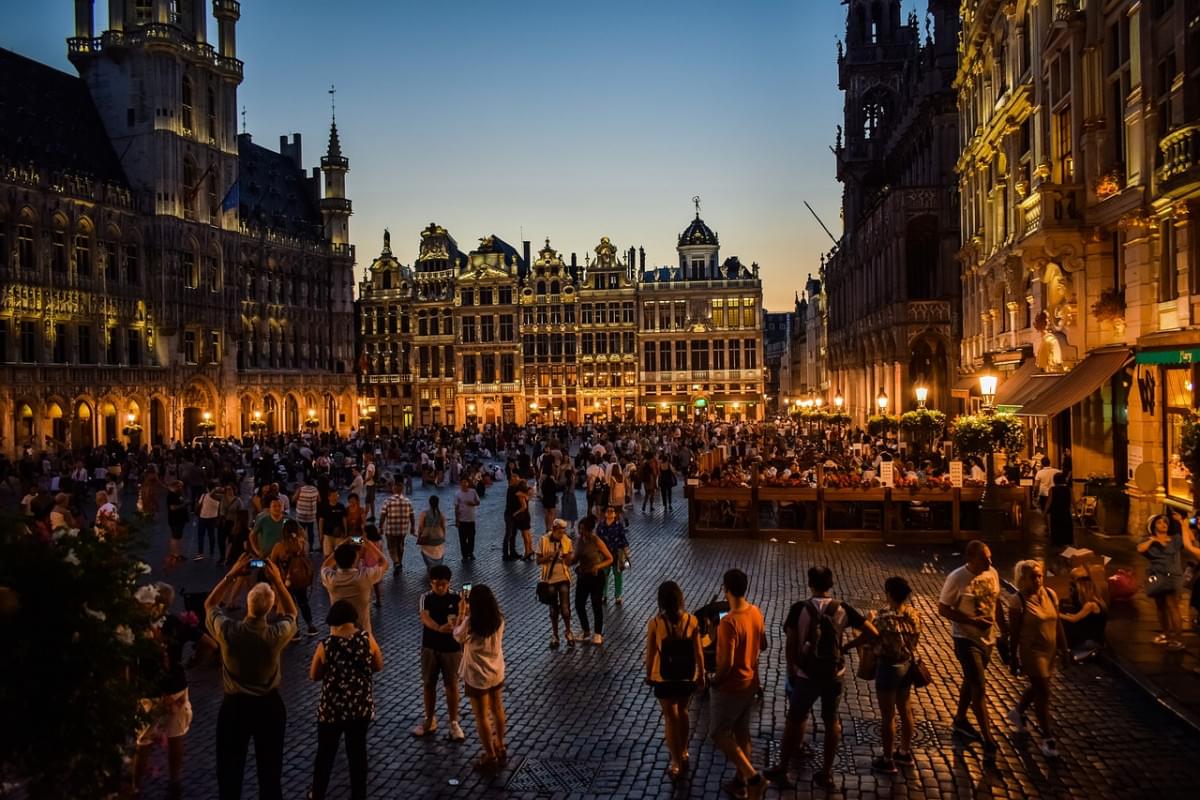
100 615
146 595
124 634
71 558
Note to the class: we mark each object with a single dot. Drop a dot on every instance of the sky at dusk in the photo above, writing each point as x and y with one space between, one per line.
528 119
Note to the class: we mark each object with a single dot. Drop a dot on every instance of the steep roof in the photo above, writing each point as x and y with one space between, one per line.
47 118
274 193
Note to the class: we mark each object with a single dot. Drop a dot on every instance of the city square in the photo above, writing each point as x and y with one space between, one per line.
901 296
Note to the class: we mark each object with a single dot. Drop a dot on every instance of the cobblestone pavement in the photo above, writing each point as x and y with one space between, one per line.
583 725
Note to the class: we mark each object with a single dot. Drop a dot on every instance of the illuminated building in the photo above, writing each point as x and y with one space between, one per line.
893 281
161 272
549 331
701 334
434 275
608 368
808 347
488 349
1079 175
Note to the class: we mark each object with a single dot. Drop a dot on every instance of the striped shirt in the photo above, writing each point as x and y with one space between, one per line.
397 518
307 498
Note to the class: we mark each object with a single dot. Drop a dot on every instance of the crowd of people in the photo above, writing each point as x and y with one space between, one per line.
282 514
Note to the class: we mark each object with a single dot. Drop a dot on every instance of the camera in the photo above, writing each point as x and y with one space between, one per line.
257 563
466 588
356 540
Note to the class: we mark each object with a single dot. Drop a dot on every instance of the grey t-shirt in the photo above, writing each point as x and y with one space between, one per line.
250 650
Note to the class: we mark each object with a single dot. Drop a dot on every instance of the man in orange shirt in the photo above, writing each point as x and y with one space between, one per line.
741 637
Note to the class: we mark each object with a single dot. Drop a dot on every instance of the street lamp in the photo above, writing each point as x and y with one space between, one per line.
987 388
882 401
922 394
838 400
311 423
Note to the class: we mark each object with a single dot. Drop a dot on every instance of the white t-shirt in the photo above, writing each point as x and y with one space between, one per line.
1045 480
976 595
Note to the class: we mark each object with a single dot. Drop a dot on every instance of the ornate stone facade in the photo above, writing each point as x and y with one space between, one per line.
892 281
157 267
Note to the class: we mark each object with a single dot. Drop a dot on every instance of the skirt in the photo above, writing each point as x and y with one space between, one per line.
674 690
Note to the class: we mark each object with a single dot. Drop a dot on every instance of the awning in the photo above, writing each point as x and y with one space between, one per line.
966 387
1185 355
1015 384
1075 386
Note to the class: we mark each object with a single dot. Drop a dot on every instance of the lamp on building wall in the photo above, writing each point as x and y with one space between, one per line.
882 401
922 394
838 400
131 425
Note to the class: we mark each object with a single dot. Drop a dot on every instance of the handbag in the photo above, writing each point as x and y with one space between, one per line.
919 674
867 663
546 593
1159 585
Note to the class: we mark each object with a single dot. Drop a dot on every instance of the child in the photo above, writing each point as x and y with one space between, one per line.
440 653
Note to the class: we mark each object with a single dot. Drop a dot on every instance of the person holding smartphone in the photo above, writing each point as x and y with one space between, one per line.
250 672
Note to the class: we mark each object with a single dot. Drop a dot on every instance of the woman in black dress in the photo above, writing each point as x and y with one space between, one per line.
344 663
1062 524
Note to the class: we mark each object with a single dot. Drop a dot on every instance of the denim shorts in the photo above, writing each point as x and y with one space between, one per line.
890 677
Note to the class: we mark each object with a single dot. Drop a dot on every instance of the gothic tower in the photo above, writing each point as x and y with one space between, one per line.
335 208
168 100
870 71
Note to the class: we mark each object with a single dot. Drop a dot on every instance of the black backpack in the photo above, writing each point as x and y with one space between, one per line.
822 659
677 656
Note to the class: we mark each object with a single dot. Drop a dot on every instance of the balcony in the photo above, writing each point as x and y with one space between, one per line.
336 204
1179 154
1050 206
152 35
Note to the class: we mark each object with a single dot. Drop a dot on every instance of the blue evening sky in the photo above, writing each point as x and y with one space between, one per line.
572 120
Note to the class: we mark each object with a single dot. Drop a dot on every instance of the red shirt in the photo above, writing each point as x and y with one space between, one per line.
743 628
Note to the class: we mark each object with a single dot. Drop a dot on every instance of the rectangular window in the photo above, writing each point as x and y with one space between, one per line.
83 254
601 344
485 297
528 347
699 355
627 343
569 345
448 360
134 339
84 342
422 325
506 296
681 356
627 313
189 347
25 247
506 328
437 362
569 314
664 356
585 344
585 314
543 346
541 314
29 341
680 321
649 319
488 332
749 313
60 343
1166 75
556 346
468 371
214 347
750 356
649 357
467 327
1168 285
527 317
735 355
508 368
718 354
112 353
58 252
556 314
468 297
489 368
212 277
718 314
191 277
133 270
112 262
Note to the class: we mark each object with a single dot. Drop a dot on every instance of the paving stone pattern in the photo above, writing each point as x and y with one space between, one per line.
582 724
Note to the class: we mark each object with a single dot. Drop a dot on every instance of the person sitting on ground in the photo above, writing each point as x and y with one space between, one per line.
1086 622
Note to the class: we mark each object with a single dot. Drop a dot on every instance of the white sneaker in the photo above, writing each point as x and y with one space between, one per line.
424 728
1048 748
1018 722
597 639
456 732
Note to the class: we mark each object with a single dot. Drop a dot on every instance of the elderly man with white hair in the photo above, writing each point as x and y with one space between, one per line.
250 671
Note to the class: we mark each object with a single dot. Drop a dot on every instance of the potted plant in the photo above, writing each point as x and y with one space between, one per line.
882 424
1110 307
976 435
923 425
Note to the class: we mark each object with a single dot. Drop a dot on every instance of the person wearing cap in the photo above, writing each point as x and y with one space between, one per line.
554 556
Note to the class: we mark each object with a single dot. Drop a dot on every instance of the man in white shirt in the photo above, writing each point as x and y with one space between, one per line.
1044 480
209 512
970 599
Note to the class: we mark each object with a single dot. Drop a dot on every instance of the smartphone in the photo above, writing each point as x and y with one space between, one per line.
466 589
356 539
257 563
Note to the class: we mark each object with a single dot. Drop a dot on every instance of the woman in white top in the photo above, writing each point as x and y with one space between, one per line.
480 630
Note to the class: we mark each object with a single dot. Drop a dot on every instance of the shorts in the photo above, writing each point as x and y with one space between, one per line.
890 677
973 657
803 694
478 694
169 716
674 690
729 713
434 662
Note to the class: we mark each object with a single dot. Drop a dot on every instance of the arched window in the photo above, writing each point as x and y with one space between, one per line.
541 287
185 112
211 108
190 177
213 207
872 118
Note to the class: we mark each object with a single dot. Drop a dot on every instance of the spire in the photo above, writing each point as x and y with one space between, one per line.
696 201
335 144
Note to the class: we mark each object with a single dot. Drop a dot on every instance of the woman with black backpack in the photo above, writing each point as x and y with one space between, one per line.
674 667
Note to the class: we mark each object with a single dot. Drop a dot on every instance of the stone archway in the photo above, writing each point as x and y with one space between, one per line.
270 413
291 414
197 398
109 425
83 427
929 365
25 425
158 421
57 423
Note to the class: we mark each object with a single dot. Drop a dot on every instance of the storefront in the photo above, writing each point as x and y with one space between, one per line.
1174 390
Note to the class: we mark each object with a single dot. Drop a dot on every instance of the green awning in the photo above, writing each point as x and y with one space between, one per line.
1186 355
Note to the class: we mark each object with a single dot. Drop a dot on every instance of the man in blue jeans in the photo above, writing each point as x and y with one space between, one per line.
816 666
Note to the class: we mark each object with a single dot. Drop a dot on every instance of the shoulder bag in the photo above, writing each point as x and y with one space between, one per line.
546 593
